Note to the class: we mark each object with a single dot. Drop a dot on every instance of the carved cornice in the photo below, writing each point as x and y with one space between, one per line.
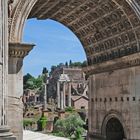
119 63
19 50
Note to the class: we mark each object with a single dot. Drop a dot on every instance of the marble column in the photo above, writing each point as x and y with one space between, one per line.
62 100
17 52
64 94
45 96
4 129
58 94
69 95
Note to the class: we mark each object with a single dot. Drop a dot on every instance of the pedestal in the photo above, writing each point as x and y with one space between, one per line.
5 134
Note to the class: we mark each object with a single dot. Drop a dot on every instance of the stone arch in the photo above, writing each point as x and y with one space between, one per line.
106 28
116 115
96 30
20 15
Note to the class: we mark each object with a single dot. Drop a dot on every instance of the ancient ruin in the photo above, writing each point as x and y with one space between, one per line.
110 33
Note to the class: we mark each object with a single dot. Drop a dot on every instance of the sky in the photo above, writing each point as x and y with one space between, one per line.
54 42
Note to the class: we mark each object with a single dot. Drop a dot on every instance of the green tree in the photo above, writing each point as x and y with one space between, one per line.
69 109
27 80
26 77
38 82
66 64
32 83
70 63
53 68
70 126
84 64
44 71
76 64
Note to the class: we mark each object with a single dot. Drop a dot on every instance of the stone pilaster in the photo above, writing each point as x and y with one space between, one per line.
17 52
4 129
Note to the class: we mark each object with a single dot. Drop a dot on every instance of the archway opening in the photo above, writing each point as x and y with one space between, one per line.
60 52
114 130
55 44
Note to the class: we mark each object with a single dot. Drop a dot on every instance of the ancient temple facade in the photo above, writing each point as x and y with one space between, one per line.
109 31
71 83
66 82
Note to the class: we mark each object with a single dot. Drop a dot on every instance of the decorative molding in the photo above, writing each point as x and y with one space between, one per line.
107 29
119 63
19 50
20 15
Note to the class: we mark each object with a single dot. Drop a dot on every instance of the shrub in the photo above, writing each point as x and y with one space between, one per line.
69 109
27 122
70 126
42 123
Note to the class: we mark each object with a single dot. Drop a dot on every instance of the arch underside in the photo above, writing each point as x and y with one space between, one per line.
108 29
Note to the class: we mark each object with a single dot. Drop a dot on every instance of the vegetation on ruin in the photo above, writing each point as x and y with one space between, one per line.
31 82
42 122
28 122
70 109
70 127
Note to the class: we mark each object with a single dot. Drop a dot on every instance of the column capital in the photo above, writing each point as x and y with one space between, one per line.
19 50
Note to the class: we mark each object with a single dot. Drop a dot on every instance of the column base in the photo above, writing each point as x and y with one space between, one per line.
5 134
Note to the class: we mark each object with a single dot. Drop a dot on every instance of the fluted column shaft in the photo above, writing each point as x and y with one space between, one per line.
45 96
64 94
69 95
62 100
58 94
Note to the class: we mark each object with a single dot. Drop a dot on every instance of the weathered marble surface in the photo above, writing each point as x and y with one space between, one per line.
17 52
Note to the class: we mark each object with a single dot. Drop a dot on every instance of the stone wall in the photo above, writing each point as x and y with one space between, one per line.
115 94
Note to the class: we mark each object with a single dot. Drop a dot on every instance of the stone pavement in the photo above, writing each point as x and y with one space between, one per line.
29 135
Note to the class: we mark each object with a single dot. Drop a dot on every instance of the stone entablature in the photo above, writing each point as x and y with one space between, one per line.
19 50
120 63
